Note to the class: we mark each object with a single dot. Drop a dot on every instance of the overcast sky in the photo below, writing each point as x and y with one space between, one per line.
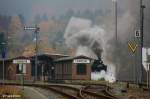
51 7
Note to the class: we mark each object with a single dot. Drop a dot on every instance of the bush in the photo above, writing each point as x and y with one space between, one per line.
10 90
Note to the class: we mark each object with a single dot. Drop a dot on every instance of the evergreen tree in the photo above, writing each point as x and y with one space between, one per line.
2 43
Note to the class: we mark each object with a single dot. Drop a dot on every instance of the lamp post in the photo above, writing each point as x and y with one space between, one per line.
36 31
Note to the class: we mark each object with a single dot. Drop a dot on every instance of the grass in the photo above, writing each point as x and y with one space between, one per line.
10 91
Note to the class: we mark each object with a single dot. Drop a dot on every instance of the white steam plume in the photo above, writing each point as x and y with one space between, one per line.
90 41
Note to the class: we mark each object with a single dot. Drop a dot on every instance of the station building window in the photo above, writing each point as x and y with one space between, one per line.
81 69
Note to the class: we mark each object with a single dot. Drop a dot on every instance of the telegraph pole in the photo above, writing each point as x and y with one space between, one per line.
142 35
36 32
115 3
116 22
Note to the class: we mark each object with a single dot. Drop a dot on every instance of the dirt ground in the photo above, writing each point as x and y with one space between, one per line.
138 94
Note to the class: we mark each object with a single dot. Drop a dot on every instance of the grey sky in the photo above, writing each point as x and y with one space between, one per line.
51 7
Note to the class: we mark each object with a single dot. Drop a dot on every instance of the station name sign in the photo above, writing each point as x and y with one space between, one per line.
81 61
21 61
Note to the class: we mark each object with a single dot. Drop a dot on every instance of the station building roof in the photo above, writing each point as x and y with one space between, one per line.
52 56
72 58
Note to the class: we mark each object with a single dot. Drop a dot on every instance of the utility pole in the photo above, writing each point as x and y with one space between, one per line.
36 32
142 36
116 22
115 3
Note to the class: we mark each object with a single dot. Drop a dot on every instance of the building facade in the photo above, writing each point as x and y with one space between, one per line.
73 68
50 67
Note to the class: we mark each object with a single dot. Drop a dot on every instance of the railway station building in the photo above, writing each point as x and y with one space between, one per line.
73 68
50 67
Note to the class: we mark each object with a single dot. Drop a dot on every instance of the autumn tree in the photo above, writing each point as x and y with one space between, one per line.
14 34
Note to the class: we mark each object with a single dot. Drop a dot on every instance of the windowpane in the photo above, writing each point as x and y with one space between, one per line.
81 69
19 69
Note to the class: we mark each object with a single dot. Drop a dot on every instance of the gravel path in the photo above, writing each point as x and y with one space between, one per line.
38 93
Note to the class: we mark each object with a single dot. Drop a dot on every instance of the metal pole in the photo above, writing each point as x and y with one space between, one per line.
136 77
134 69
142 34
42 73
133 57
36 31
3 70
36 52
3 57
36 56
116 32
116 28
22 77
148 77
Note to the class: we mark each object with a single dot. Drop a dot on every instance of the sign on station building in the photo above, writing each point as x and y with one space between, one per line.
21 65
86 61
21 61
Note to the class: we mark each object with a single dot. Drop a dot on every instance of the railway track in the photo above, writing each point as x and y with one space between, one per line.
99 91
85 92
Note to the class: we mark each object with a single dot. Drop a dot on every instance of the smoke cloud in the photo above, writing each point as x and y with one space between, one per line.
128 22
88 39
